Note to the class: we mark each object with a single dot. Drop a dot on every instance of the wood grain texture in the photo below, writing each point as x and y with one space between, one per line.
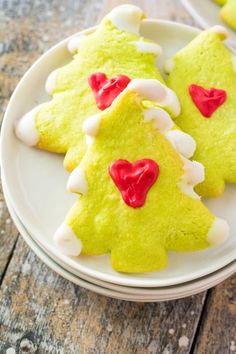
40 312
59 317
218 325
8 236
27 29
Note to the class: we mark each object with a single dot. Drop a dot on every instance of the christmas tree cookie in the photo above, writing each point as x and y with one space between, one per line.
137 200
115 48
228 13
203 75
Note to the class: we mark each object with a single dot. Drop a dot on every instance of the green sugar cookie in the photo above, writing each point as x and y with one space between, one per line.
114 48
203 75
228 13
137 200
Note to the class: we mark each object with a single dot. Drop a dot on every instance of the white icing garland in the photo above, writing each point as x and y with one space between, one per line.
126 18
147 47
218 233
153 90
25 128
77 182
51 82
74 43
67 242
220 30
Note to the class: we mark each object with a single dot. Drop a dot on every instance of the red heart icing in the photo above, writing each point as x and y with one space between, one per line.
207 100
134 179
106 90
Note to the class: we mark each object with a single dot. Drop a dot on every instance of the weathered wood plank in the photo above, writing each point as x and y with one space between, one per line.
28 28
40 312
59 317
218 325
8 236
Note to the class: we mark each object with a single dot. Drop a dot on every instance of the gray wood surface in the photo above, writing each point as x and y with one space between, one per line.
40 312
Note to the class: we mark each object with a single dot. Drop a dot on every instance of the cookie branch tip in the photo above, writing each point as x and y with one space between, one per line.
126 18
161 119
193 172
25 128
218 233
221 30
154 90
51 82
182 142
169 66
67 242
74 43
147 47
91 125
77 181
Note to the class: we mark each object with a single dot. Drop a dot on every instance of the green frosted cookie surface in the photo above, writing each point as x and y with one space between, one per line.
228 13
170 220
108 50
207 62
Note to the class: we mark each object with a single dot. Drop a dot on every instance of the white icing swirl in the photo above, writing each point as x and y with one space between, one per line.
89 140
77 182
193 172
26 129
51 82
188 190
126 18
91 125
153 90
193 175
147 47
218 233
220 30
182 142
161 118
67 242
169 65
74 43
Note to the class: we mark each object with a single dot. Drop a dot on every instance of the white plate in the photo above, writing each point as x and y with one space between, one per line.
36 180
207 14
120 292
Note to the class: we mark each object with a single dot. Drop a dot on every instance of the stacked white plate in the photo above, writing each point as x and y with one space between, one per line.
34 186
207 14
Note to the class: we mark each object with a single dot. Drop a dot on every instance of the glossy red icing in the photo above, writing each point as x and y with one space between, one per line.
207 100
134 179
106 90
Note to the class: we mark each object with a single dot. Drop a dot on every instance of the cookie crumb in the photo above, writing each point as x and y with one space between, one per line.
184 325
171 331
192 313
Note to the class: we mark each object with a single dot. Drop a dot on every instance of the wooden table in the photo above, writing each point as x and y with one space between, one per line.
40 312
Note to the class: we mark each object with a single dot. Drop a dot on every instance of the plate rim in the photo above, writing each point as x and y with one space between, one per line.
204 24
89 285
84 269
